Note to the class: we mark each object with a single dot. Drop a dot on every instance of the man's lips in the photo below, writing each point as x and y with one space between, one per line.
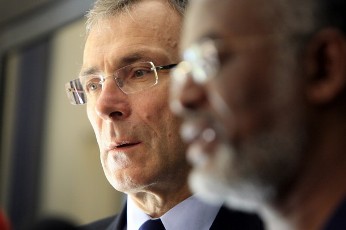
121 145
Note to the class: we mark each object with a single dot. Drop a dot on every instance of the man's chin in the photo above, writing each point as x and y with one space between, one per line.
215 180
212 190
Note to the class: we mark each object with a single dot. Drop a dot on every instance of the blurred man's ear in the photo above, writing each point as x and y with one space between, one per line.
326 66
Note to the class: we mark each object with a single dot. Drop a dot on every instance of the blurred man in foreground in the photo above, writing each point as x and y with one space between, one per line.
262 89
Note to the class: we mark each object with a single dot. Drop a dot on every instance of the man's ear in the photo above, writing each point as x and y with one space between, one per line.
326 66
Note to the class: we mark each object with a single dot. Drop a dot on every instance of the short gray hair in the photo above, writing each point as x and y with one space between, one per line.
106 8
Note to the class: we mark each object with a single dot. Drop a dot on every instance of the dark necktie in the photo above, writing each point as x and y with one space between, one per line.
152 225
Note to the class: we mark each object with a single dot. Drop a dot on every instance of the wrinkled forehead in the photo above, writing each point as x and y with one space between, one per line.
228 18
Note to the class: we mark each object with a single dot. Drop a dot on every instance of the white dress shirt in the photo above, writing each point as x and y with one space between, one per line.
190 214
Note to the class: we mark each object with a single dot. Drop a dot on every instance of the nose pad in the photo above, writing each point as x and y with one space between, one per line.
119 82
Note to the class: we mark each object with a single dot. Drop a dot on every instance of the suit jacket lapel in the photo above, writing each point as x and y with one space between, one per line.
120 221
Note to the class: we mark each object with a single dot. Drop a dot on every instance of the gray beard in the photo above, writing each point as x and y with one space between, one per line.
250 178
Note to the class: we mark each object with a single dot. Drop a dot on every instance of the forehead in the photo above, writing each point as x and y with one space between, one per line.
148 27
229 18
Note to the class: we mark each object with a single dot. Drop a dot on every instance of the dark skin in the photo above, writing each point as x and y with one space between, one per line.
325 76
308 198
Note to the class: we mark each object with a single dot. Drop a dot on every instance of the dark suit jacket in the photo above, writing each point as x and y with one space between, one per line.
338 220
225 219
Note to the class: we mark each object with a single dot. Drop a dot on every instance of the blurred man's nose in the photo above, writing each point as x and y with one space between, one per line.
187 95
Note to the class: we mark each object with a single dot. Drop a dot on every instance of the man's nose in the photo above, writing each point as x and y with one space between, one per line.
112 103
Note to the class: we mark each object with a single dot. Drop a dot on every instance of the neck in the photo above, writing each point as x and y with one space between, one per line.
320 187
157 203
308 208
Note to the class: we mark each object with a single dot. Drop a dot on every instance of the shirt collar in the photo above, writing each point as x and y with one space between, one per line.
191 213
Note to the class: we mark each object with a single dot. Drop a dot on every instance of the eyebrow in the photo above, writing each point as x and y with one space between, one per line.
127 60
89 71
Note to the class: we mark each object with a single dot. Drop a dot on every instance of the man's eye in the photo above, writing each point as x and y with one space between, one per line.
140 73
93 86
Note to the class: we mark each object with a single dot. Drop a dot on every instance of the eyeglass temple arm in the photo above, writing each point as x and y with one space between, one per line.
166 67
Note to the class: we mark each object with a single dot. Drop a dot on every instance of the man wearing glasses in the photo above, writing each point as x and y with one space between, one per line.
124 81
262 89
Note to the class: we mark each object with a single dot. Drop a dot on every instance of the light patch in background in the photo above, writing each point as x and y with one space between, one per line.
73 182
